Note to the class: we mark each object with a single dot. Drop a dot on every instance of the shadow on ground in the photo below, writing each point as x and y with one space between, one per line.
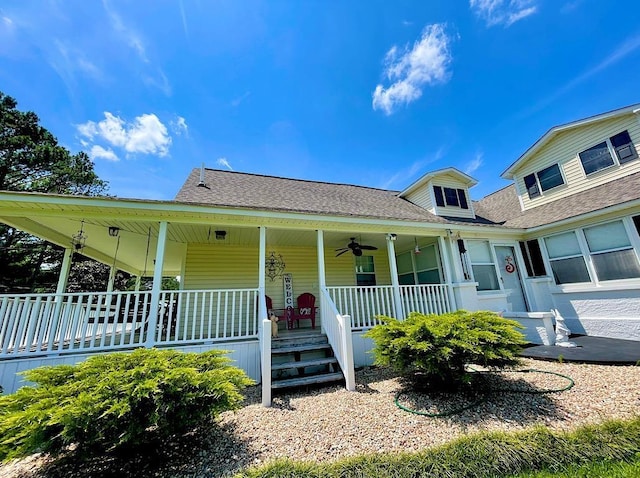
211 452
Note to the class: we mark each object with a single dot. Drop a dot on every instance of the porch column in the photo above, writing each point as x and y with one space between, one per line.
322 279
393 269
65 269
112 278
262 254
152 323
448 272
136 287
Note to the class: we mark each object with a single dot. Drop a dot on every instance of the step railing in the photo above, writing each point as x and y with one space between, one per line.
337 327
264 339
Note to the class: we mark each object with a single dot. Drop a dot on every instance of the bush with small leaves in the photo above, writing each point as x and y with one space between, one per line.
437 348
113 401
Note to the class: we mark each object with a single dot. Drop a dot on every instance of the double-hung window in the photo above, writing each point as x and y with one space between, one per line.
611 251
565 255
365 271
597 253
422 268
482 265
617 149
543 180
450 197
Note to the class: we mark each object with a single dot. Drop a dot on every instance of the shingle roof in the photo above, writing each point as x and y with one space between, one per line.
503 206
270 193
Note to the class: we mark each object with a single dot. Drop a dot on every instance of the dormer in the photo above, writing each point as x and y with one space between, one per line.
578 156
444 192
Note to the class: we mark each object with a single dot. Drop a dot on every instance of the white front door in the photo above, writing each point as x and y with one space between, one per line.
511 278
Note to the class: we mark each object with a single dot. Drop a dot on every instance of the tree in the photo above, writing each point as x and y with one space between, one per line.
32 160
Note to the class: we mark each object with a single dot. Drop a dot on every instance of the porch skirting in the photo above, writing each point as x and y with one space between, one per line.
245 355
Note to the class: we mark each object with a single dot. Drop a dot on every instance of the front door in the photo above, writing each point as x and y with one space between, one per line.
511 278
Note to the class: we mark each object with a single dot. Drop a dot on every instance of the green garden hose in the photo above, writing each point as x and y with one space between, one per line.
570 381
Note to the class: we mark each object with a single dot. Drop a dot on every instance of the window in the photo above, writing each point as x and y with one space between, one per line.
543 180
482 265
533 258
420 268
567 262
365 271
450 197
601 156
611 254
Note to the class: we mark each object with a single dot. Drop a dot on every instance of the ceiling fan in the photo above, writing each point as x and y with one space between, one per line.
355 248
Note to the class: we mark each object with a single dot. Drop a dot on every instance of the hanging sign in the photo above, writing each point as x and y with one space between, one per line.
509 266
287 283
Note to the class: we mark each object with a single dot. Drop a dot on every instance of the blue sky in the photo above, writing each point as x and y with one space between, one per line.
374 93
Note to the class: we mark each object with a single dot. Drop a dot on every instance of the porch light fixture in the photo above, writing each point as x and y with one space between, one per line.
114 231
392 237
416 250
274 265
79 238
220 235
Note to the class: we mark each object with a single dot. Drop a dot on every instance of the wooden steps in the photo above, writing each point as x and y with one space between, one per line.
303 359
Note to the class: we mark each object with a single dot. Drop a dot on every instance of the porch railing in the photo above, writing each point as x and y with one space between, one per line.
47 324
338 330
364 304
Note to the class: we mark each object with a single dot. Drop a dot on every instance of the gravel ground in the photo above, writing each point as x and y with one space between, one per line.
330 423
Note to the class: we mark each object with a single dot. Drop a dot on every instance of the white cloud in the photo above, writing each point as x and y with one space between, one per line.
224 163
503 12
98 152
146 134
128 35
426 63
473 165
179 126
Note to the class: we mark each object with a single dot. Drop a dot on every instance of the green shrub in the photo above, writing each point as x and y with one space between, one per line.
438 347
119 399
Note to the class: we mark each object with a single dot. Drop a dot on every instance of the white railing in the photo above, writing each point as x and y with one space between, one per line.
264 336
364 304
425 298
338 330
207 315
48 324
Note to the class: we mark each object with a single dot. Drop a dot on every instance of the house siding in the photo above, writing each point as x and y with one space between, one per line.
422 197
210 266
563 150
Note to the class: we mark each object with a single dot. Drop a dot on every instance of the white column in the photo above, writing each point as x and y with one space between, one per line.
448 271
112 278
261 258
393 269
322 278
65 269
136 287
152 323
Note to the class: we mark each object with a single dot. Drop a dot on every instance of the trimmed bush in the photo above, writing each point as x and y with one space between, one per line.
438 347
115 400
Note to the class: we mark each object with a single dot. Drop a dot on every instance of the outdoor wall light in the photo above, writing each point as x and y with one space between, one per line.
114 231
392 237
220 235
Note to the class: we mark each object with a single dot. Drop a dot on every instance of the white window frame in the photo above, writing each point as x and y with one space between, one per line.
357 272
492 252
634 239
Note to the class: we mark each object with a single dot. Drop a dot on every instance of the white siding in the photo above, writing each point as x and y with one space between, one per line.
564 149
422 197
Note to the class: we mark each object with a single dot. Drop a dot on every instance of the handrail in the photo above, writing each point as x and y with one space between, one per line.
264 338
338 330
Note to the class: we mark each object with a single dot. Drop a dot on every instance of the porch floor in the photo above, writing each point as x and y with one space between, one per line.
590 349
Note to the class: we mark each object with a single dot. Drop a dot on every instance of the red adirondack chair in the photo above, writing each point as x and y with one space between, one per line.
306 310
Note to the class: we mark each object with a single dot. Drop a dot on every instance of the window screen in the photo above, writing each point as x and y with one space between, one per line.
625 150
437 192
596 158
532 186
550 177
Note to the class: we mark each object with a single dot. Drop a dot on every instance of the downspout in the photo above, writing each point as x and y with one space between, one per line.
393 268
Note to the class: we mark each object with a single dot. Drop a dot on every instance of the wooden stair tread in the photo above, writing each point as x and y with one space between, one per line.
304 363
309 380
300 348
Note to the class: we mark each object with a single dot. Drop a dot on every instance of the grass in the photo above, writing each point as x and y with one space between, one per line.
611 447
591 470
